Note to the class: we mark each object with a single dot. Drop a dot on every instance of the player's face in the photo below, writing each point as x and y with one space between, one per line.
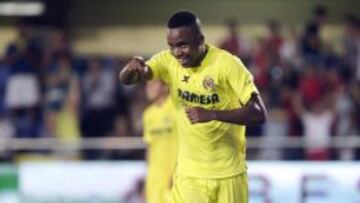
185 45
155 89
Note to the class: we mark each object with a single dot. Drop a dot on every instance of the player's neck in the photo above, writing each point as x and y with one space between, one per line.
202 56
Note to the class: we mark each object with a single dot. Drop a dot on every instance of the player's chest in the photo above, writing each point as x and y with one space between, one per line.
201 81
197 87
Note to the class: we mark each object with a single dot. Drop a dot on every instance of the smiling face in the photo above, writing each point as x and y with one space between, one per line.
186 45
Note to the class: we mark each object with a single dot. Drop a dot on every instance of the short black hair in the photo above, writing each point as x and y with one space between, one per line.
182 18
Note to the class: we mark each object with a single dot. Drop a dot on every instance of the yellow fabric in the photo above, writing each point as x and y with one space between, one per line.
160 135
224 190
157 192
67 124
214 149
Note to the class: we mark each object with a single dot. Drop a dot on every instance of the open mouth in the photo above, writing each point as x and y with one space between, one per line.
183 61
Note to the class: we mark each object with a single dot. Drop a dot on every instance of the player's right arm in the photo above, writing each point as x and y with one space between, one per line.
135 71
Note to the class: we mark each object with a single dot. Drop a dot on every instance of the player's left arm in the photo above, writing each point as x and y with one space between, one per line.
252 113
240 82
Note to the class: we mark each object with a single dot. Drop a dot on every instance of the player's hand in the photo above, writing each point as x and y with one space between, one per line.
136 64
133 71
199 115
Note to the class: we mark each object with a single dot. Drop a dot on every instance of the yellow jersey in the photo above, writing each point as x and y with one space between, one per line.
160 135
213 149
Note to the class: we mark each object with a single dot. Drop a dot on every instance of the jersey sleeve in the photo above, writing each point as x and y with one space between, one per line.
240 80
158 65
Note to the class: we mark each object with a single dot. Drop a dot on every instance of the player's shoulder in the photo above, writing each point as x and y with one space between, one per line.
164 55
224 56
228 64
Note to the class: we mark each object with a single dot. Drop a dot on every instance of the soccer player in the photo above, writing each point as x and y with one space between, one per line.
160 135
215 98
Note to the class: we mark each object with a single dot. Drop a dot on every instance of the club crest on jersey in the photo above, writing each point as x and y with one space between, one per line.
208 83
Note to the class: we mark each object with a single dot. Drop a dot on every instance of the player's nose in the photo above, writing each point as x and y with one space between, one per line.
177 52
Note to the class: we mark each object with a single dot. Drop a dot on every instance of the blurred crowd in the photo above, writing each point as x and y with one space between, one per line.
310 89
48 91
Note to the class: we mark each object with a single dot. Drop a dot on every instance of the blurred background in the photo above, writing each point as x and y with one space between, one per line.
70 132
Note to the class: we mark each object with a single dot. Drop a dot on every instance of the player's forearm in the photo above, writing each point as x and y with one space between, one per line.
243 116
252 114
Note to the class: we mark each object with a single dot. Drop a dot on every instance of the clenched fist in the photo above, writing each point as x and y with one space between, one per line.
134 71
199 115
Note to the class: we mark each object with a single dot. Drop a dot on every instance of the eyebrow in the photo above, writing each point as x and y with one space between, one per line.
179 43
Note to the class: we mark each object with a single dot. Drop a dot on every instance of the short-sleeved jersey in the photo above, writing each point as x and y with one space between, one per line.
160 135
221 82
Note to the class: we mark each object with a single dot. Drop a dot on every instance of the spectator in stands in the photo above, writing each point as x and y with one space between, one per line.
289 51
355 118
351 45
274 41
317 120
345 125
319 15
23 94
311 84
311 43
40 58
233 42
311 46
5 63
99 100
259 63
351 71
61 100
294 124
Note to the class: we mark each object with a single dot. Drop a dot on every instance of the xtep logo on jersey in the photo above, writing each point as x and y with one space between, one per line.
185 79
